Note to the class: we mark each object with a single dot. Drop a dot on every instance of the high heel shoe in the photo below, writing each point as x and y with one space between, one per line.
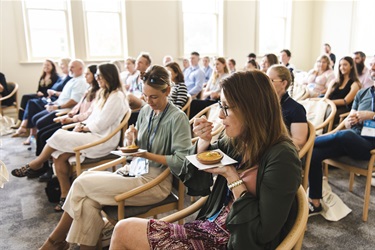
17 125
21 132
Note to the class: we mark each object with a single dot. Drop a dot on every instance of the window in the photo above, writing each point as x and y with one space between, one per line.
363 36
202 20
274 25
104 21
46 28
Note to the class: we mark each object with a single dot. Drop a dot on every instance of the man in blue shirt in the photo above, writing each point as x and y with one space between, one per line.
194 76
207 69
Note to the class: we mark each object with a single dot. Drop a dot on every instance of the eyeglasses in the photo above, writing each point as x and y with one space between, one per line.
224 108
98 76
276 80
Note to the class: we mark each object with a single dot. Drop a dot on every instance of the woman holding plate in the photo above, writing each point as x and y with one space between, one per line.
164 131
252 204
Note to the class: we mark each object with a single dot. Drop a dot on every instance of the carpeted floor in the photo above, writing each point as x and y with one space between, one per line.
27 218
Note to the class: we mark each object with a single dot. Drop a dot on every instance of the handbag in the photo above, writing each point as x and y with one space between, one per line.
249 177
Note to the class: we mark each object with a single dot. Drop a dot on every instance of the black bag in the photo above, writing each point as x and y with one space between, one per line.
53 190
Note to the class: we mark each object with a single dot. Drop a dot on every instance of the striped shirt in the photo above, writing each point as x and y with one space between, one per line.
178 95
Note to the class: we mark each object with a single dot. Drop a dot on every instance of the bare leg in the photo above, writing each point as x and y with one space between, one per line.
63 172
59 233
130 234
33 132
37 163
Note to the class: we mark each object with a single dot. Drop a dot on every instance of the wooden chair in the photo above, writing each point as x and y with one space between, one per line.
186 108
294 238
89 163
212 114
358 167
13 89
316 113
306 153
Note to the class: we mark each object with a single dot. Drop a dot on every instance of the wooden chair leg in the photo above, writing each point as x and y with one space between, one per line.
325 169
351 181
366 197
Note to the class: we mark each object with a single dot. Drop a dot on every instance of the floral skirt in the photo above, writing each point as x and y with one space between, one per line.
195 235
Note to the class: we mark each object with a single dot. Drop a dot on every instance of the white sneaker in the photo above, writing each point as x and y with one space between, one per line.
373 181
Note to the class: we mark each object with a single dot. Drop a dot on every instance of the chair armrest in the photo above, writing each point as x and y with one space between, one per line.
110 164
338 128
69 126
61 112
144 187
59 118
186 211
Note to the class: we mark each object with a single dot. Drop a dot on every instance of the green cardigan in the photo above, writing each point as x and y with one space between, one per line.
259 222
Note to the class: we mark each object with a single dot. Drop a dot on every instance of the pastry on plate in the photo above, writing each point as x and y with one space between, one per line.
209 157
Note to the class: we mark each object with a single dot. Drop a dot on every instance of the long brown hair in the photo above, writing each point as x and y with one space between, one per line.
110 74
353 75
257 105
215 74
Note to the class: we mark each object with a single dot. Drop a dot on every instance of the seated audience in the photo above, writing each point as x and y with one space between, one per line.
267 61
73 91
348 142
106 115
231 65
251 56
211 94
319 77
294 114
56 89
285 56
164 131
332 57
130 74
251 65
79 113
207 69
4 91
179 94
343 91
185 64
167 59
363 72
194 76
46 81
253 203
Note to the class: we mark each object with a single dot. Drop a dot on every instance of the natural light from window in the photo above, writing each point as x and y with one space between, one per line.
201 26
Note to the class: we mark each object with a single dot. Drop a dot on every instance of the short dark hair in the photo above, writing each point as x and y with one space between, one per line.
326 44
287 52
360 53
194 53
147 57
252 55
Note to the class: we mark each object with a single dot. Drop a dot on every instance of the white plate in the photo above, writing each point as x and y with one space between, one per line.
120 153
225 161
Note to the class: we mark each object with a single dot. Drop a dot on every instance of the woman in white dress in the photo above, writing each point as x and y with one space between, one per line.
108 111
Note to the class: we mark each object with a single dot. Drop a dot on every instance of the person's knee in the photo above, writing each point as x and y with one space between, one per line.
122 231
345 136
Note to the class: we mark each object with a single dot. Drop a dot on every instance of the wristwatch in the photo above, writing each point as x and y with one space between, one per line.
59 107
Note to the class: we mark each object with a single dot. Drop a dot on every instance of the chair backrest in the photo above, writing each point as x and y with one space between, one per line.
186 108
13 89
212 113
306 153
316 109
294 238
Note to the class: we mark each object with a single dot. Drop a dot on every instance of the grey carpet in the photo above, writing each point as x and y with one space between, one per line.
27 218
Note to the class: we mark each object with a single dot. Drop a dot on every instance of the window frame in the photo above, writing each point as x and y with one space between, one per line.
219 13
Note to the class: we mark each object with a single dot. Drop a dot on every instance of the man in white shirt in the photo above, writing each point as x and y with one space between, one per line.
363 72
194 76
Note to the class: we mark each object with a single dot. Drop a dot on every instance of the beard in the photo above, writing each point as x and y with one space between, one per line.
360 66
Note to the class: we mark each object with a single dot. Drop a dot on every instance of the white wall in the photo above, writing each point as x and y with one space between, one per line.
155 26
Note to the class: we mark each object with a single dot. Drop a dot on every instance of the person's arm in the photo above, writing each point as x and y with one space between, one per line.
330 89
299 132
181 95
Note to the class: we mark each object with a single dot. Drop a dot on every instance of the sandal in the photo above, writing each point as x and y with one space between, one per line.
59 205
31 173
21 172
51 244
21 132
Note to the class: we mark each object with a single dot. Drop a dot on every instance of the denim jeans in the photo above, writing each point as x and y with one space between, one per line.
343 143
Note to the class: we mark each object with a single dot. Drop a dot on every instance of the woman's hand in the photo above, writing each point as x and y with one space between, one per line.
131 135
229 172
39 94
66 120
203 128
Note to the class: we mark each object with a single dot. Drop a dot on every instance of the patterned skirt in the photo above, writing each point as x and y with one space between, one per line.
195 235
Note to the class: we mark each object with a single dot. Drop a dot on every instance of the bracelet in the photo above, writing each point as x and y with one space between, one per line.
243 193
59 107
235 184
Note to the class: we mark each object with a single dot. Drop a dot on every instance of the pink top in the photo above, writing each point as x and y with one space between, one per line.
318 84
84 108
365 78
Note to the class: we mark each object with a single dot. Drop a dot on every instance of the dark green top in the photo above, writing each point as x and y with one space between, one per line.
259 222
